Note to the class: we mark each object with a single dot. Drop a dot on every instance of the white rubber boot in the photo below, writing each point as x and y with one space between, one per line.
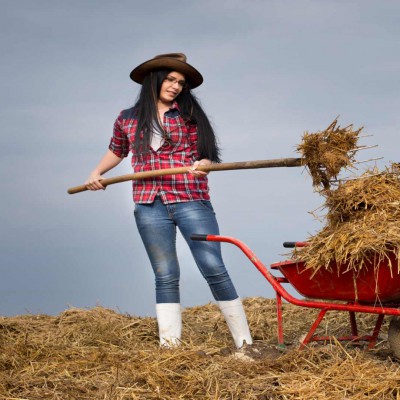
169 321
237 322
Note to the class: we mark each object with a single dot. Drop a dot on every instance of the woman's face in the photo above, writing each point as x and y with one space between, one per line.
171 87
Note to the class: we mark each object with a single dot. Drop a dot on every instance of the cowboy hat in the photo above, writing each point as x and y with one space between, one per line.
173 61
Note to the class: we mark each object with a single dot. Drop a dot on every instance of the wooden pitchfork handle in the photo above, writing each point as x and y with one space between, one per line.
281 162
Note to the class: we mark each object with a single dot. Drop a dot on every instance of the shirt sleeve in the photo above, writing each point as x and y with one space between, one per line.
119 143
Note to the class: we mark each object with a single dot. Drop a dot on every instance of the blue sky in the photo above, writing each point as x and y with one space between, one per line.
272 70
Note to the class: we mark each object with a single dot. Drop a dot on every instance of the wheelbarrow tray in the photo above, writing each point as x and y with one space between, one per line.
373 284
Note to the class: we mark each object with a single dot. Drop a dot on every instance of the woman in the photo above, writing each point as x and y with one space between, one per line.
167 128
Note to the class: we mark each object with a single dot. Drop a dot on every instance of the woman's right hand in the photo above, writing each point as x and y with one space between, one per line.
94 181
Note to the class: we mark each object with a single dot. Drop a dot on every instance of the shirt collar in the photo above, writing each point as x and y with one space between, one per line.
175 106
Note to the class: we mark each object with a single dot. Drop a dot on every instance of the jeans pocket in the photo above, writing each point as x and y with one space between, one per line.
207 204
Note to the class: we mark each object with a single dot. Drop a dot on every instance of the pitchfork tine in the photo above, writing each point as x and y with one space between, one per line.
358 177
371 159
365 147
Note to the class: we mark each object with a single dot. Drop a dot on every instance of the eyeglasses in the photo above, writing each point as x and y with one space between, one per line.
172 80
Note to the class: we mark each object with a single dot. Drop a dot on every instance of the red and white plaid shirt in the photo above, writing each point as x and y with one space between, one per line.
179 151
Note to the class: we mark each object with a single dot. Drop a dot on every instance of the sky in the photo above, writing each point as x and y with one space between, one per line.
273 70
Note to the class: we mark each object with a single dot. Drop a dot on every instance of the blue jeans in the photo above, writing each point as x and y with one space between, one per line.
157 224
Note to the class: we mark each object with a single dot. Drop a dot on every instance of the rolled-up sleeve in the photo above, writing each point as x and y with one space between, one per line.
119 143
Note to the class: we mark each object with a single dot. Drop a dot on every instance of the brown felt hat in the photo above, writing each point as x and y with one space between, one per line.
173 61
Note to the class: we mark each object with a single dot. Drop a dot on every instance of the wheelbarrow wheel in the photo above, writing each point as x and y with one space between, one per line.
394 336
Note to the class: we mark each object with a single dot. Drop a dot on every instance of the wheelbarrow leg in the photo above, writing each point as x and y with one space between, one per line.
353 323
374 337
313 328
371 339
281 343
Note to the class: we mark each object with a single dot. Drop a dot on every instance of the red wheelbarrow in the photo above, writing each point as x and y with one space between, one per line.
376 291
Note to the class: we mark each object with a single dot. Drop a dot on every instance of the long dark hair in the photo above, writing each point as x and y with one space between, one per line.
147 115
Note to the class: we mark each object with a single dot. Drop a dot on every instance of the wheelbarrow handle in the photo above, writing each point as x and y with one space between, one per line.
291 245
288 245
199 237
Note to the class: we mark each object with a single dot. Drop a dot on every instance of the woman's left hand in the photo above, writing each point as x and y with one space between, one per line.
193 170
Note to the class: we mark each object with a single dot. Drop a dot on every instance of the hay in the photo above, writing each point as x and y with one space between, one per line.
327 152
363 215
362 223
100 354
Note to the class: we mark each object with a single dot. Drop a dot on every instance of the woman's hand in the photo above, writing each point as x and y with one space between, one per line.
94 181
108 162
193 170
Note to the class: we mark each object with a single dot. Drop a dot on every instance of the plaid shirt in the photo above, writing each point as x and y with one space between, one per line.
179 151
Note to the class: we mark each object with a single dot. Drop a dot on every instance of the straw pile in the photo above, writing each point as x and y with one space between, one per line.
363 215
362 223
325 153
100 354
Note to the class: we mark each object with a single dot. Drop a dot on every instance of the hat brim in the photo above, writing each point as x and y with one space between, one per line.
191 74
